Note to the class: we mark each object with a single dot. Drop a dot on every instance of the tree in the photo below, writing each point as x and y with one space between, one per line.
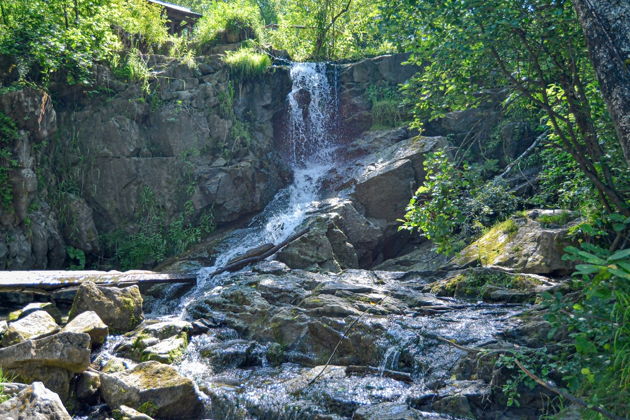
532 49
606 25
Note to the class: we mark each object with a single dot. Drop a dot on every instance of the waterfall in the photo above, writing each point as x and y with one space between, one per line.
311 139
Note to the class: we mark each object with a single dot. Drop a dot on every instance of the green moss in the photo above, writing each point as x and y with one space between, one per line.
491 245
149 408
477 283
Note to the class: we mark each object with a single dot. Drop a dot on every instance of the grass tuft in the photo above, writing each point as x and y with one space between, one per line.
246 63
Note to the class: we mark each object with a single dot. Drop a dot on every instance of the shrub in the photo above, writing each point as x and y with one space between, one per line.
246 63
223 19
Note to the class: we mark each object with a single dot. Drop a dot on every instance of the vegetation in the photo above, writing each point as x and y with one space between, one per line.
228 22
155 237
246 63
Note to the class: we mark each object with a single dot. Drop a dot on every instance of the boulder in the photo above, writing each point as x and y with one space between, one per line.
34 403
153 388
52 360
66 350
37 324
530 242
36 306
120 309
90 323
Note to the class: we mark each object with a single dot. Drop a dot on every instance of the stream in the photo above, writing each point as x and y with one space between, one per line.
273 328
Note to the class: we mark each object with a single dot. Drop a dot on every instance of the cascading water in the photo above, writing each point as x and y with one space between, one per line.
311 137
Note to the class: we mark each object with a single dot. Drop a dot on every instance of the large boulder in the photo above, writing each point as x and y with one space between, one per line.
90 323
35 402
153 388
530 242
120 309
52 360
34 325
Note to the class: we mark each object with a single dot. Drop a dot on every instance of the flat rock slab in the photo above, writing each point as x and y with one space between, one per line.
51 280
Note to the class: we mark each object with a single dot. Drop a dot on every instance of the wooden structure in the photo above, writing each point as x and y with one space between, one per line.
45 281
180 18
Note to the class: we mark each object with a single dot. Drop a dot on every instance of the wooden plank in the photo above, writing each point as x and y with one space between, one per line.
52 280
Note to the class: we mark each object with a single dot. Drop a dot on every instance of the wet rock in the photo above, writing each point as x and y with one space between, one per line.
34 403
120 309
530 243
234 353
128 413
87 386
457 398
165 329
154 388
422 258
393 411
35 325
36 306
167 350
90 323
311 251
322 372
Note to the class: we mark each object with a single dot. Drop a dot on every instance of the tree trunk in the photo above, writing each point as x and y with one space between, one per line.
606 25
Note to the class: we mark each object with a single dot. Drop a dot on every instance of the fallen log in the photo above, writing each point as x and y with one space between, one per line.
45 281
264 253
370 370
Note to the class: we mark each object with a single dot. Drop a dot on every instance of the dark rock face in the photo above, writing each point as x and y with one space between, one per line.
29 231
355 78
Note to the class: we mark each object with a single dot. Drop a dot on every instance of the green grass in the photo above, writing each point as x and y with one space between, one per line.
223 19
556 219
246 64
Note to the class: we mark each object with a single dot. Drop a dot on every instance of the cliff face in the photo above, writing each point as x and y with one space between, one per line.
194 144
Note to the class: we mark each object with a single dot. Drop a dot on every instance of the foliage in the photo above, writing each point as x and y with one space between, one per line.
223 18
534 52
453 204
4 378
77 258
328 29
246 63
156 237
48 37
8 135
388 106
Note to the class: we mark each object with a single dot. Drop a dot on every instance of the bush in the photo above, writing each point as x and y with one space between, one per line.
454 205
246 63
222 21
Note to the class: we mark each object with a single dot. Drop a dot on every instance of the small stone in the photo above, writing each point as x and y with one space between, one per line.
36 306
128 413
